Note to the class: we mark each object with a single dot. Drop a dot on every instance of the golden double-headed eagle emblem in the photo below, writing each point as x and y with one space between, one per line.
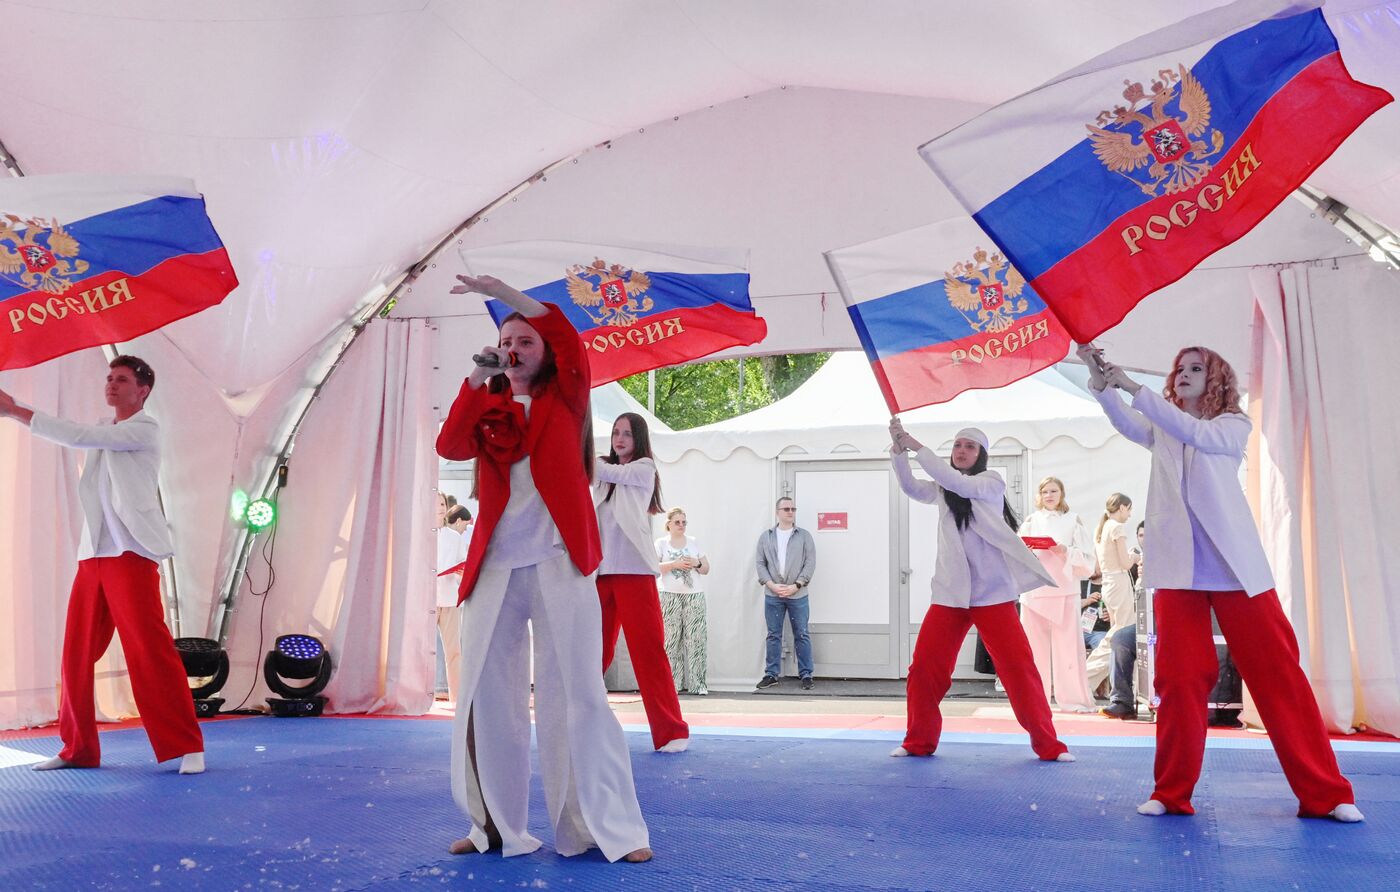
38 257
611 294
1167 131
989 286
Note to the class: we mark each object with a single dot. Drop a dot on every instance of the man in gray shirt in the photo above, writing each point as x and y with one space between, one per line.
787 557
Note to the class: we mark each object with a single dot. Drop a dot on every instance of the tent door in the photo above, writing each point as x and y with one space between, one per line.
918 550
857 606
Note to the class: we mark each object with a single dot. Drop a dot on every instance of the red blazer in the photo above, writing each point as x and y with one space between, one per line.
490 427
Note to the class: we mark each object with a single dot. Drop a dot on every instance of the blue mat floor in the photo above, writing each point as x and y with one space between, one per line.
344 804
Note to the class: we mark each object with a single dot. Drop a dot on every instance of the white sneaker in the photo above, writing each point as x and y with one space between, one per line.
1348 813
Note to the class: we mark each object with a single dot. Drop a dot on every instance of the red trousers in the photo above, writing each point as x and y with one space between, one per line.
632 603
936 655
1265 650
123 593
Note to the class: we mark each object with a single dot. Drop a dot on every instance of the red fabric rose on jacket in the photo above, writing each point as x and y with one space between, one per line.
501 433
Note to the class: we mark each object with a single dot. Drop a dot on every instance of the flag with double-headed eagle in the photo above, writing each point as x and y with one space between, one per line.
1117 178
635 308
938 311
92 259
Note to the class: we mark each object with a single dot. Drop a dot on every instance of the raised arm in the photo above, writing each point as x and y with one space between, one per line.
1225 434
1127 422
491 286
919 490
987 486
129 436
640 473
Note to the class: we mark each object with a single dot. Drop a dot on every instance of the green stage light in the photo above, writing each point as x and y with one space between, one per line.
238 505
261 514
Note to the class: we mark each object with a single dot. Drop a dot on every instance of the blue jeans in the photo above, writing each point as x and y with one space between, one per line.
1092 639
797 610
1124 644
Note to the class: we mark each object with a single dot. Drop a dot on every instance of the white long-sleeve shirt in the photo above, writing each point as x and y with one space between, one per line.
953 577
1196 459
624 524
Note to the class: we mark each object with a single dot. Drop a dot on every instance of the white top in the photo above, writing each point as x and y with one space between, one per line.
1196 459
679 581
624 524
525 535
1066 528
451 551
991 581
952 576
123 461
784 536
114 538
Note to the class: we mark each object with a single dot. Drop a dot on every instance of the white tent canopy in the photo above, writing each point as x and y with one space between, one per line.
338 144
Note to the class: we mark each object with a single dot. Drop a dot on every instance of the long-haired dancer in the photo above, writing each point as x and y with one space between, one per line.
982 568
628 493
1206 555
1050 614
524 417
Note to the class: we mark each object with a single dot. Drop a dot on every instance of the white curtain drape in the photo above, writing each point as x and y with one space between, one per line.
353 555
1324 476
40 525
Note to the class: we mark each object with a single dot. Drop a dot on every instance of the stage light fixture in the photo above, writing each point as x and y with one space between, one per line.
297 657
206 669
261 514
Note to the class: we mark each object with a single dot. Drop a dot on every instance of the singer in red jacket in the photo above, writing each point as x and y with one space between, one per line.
532 559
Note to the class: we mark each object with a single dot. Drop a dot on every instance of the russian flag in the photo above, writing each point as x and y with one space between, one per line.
88 260
1102 194
635 309
939 311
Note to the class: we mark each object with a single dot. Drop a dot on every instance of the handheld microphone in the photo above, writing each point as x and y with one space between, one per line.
492 361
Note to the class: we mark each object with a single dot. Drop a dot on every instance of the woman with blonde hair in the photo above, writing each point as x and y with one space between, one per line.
1050 614
1206 556
1115 559
683 603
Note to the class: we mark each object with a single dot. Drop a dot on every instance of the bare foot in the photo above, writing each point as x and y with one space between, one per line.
55 763
192 763
638 856
675 746
463 846
1152 808
1065 757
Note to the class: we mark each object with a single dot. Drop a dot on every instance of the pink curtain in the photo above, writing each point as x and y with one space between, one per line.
355 548
1324 477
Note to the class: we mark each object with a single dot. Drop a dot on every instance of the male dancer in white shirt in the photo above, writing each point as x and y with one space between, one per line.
117 586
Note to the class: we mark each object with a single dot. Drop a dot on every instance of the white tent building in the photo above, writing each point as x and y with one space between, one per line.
827 445
346 150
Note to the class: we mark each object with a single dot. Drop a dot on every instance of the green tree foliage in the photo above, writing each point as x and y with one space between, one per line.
705 392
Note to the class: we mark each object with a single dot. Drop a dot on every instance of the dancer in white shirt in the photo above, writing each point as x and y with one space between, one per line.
125 536
982 567
1206 556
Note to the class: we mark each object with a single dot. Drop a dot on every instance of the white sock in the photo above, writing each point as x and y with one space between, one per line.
192 763
899 751
1348 813
1066 756
1152 808
675 746
52 764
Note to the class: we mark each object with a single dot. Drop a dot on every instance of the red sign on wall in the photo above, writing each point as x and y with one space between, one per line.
831 521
